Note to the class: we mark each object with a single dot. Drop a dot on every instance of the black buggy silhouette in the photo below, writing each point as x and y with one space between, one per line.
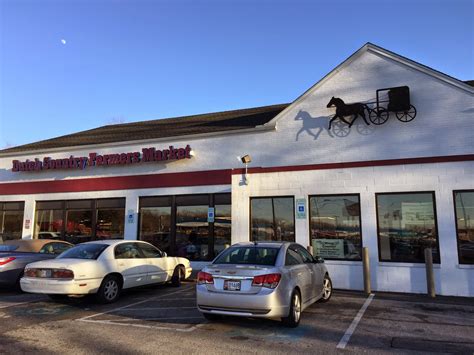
398 102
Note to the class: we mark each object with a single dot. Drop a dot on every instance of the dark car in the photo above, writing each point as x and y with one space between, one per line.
16 254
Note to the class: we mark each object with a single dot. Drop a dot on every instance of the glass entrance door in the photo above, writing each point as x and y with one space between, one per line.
192 232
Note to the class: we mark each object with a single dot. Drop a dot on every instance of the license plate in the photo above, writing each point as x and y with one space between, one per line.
43 273
231 285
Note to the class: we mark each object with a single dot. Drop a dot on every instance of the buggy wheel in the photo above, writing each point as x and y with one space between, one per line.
406 116
341 129
378 116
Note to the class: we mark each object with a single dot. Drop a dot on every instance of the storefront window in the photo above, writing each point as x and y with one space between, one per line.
272 218
192 232
78 226
110 218
464 204
179 224
155 226
222 223
335 226
407 226
85 220
11 220
48 220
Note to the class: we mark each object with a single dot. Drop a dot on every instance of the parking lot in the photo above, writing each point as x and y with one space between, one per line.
165 319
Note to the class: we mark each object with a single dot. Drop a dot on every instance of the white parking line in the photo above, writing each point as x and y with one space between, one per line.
184 330
150 319
120 322
347 335
157 308
17 303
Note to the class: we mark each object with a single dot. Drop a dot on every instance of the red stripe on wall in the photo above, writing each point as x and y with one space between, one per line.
358 164
196 178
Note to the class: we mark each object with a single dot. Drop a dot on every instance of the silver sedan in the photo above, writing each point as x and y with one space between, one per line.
263 279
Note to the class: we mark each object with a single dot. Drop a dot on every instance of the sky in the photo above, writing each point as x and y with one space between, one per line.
72 65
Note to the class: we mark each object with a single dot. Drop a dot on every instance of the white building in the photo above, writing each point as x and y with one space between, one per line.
396 187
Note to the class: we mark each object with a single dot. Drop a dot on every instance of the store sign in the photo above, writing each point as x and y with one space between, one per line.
95 160
329 248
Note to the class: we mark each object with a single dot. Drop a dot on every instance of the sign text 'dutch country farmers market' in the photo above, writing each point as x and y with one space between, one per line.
95 160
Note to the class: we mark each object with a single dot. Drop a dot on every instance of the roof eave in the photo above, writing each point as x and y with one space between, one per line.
257 129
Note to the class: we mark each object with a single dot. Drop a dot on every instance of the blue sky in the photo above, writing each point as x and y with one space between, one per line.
136 60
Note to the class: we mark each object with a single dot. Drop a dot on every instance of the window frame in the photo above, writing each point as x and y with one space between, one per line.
272 197
456 225
360 223
4 208
435 215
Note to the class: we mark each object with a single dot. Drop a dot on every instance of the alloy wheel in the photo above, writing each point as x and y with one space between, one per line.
296 307
327 288
111 290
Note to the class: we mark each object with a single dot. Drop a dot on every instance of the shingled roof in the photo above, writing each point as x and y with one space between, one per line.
161 128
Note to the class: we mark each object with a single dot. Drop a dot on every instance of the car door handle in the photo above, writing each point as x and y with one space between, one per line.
121 264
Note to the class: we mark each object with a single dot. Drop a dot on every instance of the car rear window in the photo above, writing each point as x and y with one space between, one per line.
84 251
248 255
4 247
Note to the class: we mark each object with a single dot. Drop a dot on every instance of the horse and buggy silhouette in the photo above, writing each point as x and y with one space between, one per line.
398 103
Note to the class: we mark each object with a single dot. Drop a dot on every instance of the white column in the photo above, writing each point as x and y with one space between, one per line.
131 217
28 217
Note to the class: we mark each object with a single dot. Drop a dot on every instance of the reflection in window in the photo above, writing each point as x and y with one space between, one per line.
155 226
110 223
78 226
335 227
192 232
11 220
222 228
464 201
273 218
48 223
406 227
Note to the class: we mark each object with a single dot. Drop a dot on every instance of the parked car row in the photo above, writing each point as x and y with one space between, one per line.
103 268
256 279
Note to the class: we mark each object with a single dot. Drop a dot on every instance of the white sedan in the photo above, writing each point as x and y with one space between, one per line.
104 268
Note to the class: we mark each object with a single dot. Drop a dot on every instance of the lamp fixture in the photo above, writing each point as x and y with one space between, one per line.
246 159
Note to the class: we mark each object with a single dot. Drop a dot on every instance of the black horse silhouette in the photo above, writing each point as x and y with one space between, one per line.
343 110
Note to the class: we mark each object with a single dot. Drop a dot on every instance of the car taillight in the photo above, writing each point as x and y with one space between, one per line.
62 274
205 278
6 260
269 280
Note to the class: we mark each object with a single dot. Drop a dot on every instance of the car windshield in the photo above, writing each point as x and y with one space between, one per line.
4 247
248 255
84 251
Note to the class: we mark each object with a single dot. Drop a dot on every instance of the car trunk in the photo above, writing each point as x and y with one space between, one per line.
235 278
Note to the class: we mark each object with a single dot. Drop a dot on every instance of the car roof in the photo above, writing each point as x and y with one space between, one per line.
113 241
32 245
264 243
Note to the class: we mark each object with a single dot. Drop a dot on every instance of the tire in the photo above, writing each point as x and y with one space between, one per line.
294 316
17 285
211 317
327 289
177 277
109 290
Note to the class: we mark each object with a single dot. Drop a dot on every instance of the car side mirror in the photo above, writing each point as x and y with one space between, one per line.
318 260
163 254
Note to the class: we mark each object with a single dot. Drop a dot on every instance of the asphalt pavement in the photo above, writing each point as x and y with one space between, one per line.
164 319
